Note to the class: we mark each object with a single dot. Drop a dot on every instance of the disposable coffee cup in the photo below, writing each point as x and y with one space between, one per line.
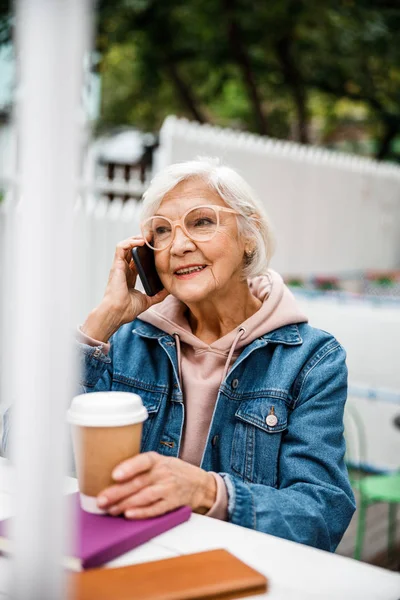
106 430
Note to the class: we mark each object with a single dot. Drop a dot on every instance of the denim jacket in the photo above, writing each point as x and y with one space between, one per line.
289 479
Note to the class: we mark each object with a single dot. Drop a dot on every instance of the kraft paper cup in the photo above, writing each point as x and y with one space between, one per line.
106 430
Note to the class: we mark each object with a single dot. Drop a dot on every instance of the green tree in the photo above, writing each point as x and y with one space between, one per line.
288 68
263 67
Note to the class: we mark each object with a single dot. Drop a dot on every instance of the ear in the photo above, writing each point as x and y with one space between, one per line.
251 242
250 246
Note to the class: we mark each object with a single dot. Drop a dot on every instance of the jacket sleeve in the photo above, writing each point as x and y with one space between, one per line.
95 368
313 502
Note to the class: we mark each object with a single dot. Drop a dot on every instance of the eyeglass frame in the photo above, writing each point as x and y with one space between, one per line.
180 223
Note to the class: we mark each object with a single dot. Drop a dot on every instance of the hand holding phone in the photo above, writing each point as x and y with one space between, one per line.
122 303
143 257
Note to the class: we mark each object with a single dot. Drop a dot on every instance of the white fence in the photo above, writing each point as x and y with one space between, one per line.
331 212
98 226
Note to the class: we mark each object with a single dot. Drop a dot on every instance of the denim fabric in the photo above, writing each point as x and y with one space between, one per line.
289 480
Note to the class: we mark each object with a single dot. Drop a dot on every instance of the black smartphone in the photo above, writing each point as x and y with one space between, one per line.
143 257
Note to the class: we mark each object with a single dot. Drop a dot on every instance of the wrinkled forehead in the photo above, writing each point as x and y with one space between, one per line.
188 194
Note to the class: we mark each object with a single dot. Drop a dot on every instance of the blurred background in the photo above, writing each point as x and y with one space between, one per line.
303 99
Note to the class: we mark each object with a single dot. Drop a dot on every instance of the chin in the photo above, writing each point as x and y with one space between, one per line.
190 294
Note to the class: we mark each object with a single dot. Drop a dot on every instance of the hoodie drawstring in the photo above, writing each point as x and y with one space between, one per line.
178 353
239 334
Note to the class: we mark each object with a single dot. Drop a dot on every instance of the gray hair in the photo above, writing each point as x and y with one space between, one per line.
233 189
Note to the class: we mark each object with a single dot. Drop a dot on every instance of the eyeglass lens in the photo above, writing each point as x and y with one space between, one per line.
200 224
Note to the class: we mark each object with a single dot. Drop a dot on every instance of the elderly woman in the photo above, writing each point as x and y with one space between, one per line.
245 399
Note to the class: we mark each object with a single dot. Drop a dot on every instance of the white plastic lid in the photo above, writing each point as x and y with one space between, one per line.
105 409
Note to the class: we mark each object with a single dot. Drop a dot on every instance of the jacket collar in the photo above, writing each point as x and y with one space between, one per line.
288 335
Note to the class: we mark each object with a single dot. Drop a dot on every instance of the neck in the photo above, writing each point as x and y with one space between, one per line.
216 316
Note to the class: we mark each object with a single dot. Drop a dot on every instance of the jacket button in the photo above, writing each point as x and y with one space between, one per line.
235 383
271 420
214 441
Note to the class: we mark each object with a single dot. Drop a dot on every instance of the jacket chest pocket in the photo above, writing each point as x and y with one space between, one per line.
257 439
151 399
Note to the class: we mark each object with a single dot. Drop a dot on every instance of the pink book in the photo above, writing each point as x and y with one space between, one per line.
101 538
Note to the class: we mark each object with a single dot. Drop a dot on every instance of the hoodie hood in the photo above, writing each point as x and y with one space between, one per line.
278 308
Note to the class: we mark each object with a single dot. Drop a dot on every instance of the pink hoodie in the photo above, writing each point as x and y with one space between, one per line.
202 367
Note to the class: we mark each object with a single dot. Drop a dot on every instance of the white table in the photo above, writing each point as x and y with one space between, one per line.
295 572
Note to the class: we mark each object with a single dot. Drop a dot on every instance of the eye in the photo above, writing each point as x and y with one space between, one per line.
203 222
161 230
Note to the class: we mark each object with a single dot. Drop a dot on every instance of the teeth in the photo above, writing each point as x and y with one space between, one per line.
191 270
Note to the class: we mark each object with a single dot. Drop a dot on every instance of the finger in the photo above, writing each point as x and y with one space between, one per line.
133 466
124 248
146 497
158 508
115 494
135 240
159 297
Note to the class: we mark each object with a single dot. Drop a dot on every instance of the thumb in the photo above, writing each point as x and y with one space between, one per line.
159 297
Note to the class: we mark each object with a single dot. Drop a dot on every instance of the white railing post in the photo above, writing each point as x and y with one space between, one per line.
51 40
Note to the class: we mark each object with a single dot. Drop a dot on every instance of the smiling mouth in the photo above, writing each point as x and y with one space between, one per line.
190 270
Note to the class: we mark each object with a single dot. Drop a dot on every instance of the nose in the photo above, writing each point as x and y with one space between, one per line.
181 243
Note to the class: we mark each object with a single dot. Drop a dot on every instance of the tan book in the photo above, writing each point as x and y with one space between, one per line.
212 574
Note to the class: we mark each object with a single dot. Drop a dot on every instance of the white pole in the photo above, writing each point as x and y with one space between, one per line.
51 35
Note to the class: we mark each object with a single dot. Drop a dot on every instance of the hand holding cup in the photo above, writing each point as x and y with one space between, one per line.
150 484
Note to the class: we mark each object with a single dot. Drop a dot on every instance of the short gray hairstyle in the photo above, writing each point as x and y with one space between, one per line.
234 190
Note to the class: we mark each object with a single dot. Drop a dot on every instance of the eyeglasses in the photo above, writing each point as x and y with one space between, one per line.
200 224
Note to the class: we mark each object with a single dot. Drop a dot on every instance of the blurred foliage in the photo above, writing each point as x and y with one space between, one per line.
316 71
5 21
326 71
